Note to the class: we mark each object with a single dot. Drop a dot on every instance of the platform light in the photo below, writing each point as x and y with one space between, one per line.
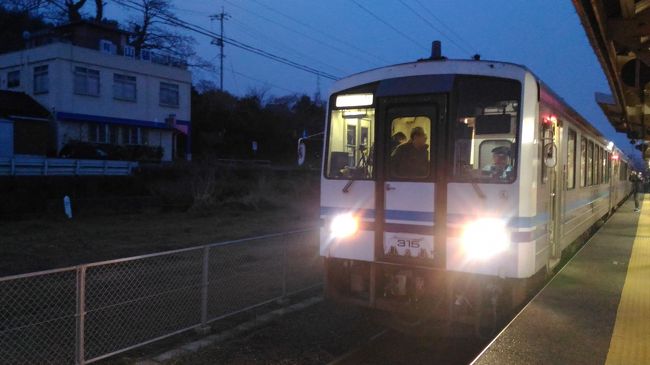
610 146
351 100
485 237
344 225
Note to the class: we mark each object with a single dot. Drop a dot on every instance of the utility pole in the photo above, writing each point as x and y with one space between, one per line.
219 42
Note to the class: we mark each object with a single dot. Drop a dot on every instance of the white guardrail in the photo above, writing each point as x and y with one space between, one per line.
41 166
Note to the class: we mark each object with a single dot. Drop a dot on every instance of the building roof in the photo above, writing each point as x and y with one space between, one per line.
18 105
618 31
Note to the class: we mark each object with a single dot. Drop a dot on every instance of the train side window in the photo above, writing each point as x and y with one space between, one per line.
547 137
608 166
583 162
603 165
571 160
410 155
597 168
590 163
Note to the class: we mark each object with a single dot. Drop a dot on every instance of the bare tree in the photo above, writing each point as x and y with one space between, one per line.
99 10
74 9
152 30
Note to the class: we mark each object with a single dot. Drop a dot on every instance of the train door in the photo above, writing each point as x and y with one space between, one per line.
552 167
413 146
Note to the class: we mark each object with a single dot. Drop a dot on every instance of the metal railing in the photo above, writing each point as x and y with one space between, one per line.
41 166
85 313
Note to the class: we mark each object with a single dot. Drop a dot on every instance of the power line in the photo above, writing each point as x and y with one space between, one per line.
302 34
254 33
451 30
266 83
200 30
387 23
353 47
433 26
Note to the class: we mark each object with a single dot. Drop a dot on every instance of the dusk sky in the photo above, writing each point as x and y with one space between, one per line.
341 37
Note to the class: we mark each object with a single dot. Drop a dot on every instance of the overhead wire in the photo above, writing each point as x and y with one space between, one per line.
451 30
200 30
432 26
406 36
353 47
259 34
301 34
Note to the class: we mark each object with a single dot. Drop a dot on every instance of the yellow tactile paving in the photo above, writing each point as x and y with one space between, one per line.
630 342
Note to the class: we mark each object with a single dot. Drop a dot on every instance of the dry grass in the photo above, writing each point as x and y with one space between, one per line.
225 207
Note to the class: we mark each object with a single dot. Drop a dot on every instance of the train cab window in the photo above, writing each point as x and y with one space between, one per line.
485 130
409 152
571 160
351 147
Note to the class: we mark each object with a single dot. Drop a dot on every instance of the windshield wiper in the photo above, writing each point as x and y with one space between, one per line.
347 186
478 190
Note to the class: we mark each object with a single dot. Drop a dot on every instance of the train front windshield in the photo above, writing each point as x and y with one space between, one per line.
484 131
482 134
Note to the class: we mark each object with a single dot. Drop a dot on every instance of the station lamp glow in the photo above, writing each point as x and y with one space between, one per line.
610 146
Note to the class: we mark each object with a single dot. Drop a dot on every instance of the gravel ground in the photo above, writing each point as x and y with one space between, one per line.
325 332
316 335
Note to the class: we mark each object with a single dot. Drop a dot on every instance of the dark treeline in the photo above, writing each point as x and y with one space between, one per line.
225 126
14 24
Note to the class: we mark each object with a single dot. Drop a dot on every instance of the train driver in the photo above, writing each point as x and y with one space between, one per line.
500 167
411 159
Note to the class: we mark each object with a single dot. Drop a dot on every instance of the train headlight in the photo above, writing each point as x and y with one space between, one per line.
485 238
344 225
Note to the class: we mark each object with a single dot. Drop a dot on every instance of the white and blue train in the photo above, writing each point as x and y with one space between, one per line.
508 176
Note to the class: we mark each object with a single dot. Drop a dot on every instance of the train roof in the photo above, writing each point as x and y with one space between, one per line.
470 67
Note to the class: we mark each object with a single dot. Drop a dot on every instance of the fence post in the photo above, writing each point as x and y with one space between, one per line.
81 316
204 328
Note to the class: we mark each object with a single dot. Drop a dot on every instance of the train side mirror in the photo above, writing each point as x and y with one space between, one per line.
550 155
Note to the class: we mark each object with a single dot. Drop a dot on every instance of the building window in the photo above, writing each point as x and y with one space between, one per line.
131 135
124 87
144 136
13 79
113 133
41 80
97 133
571 160
168 94
86 81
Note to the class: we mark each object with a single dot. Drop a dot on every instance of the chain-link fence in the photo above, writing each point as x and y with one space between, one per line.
89 312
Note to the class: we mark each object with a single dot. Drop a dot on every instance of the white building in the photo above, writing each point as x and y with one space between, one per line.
100 91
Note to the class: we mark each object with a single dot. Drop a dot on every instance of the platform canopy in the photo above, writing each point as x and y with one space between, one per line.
619 32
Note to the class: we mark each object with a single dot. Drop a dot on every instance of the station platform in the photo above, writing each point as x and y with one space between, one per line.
596 310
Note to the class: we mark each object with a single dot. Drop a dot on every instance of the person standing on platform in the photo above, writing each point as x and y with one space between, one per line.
637 189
